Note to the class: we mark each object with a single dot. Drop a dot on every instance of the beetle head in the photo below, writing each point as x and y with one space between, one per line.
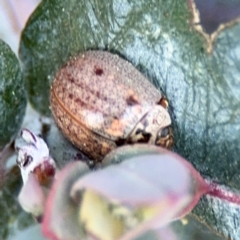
153 128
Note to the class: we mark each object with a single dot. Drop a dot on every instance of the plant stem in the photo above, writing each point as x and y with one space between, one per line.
221 192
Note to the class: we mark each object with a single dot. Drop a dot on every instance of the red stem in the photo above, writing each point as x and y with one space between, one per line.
222 193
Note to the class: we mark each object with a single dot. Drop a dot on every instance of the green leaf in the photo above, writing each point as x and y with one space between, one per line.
12 95
155 35
13 219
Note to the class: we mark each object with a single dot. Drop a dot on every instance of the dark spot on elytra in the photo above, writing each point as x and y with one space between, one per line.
98 71
98 94
71 80
70 96
132 100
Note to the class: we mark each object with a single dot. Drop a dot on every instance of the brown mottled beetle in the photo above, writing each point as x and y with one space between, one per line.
101 101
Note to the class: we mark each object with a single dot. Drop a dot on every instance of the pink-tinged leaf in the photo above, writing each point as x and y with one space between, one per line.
159 184
32 197
149 177
161 216
148 188
61 214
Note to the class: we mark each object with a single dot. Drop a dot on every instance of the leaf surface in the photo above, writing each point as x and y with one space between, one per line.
12 95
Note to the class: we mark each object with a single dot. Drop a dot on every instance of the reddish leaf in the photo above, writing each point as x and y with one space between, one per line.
60 220
123 200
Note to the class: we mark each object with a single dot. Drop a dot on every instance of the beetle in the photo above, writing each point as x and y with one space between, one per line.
101 101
